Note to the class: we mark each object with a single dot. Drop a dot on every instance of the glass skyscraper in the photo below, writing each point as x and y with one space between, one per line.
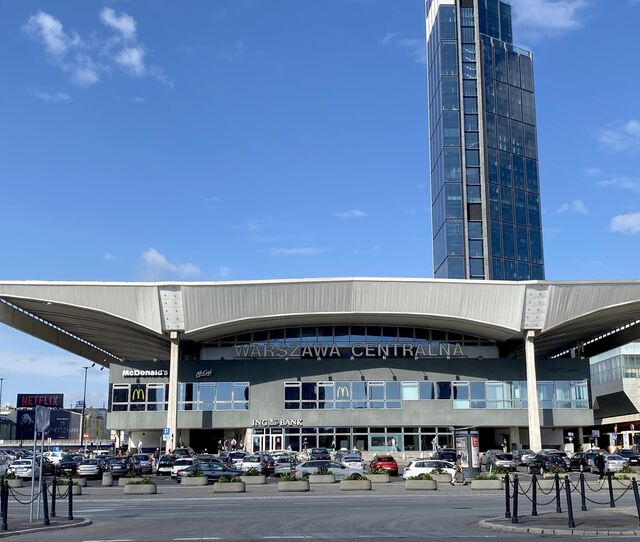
485 191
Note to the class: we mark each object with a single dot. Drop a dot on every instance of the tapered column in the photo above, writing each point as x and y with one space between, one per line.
172 410
535 436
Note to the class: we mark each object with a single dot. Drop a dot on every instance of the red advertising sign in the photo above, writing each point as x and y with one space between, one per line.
31 400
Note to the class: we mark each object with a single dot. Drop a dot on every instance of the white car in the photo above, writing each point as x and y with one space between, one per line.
251 462
22 468
614 463
353 462
181 464
54 457
426 466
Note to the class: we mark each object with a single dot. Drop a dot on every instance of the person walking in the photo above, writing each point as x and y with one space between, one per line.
599 462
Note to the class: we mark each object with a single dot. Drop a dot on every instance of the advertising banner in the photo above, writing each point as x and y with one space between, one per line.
32 400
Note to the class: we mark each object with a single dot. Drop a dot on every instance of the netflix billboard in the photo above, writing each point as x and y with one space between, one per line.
32 400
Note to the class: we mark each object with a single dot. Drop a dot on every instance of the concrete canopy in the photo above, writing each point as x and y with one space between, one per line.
104 322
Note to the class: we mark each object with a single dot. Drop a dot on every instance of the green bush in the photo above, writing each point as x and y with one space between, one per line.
322 471
253 472
227 480
375 470
195 474
437 470
487 476
423 476
145 481
288 478
10 476
500 470
132 474
356 476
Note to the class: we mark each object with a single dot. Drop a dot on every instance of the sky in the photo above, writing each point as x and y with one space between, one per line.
254 139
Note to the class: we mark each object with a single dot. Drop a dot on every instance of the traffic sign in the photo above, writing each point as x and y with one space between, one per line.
166 431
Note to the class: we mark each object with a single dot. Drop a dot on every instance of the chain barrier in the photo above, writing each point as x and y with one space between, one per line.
15 493
577 490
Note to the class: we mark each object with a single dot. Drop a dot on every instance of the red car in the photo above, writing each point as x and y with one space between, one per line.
385 462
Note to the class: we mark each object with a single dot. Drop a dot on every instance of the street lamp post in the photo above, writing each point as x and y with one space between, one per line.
1 382
84 405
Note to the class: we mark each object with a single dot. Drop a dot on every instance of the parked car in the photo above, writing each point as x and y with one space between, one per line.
184 452
310 467
118 466
164 464
54 457
181 464
446 454
141 463
487 457
542 463
524 456
68 464
284 465
632 457
212 470
386 462
614 463
252 462
353 462
426 466
91 468
590 456
565 458
23 468
579 461
234 459
504 461
319 453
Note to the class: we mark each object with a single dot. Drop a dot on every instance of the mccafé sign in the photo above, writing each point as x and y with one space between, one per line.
427 350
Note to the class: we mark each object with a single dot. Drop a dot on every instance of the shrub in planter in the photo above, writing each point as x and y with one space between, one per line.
144 481
195 474
423 476
76 489
375 470
441 476
486 480
421 481
140 486
254 477
551 473
288 478
355 482
487 476
10 476
291 483
229 485
252 472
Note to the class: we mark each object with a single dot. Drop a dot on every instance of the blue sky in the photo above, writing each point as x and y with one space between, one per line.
241 139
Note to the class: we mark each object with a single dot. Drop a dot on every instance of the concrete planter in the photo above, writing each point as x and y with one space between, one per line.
123 481
107 479
254 480
423 485
487 484
296 486
82 482
322 478
194 481
15 482
229 487
355 485
442 478
379 478
140 489
75 489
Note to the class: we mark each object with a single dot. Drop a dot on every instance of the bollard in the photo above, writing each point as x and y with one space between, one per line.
567 485
45 502
514 517
4 491
583 495
558 507
634 484
54 489
70 497
612 502
534 496
507 497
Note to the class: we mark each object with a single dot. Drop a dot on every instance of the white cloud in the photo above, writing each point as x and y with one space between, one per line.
414 46
124 24
623 136
156 266
576 206
534 19
624 183
224 271
299 251
629 223
353 213
86 61
109 257
54 97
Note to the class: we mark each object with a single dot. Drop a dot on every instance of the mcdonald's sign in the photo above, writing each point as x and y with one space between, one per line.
343 391
137 394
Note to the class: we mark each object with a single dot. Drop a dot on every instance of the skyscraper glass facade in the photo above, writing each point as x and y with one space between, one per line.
485 191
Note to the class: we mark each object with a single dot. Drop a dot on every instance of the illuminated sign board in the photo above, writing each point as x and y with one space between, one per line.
31 400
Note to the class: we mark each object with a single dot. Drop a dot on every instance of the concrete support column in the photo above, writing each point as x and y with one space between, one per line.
514 438
535 436
172 410
579 440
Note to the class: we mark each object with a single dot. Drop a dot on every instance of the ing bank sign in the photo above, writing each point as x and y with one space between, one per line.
428 350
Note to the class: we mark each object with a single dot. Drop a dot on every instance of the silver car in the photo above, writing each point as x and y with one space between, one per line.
90 468
339 470
353 462
504 461
614 463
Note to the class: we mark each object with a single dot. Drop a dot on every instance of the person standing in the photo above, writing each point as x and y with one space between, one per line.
600 462
234 444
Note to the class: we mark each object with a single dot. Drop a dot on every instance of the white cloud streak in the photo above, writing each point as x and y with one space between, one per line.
353 213
576 206
50 97
414 46
156 266
628 223
535 19
623 136
124 24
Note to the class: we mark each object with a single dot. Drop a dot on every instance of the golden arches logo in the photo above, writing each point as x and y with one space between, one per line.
342 391
137 394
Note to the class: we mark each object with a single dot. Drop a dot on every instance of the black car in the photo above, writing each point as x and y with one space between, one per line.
213 471
632 457
118 466
69 464
319 453
542 463
445 455
580 461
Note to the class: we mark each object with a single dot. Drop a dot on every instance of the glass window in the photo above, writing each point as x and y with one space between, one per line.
359 394
506 198
449 89
494 202
533 204
468 52
496 242
528 107
410 391
510 270
508 242
467 34
491 130
487 59
501 64
451 127
504 136
522 242
520 207
453 195
474 195
473 176
448 59
517 142
120 393
393 394
530 142
427 390
470 88
502 99
476 266
476 249
496 269
471 123
505 168
545 394
469 70
452 168
490 95
475 230
535 240
470 105
518 172
472 158
455 244
460 395
532 176
444 390
447 17
514 69
526 72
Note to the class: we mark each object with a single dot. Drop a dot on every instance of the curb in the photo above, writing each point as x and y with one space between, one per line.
83 523
488 524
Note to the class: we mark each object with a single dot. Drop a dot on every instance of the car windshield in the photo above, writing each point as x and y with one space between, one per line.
141 457
182 462
614 458
385 458
251 459
89 462
68 458
505 457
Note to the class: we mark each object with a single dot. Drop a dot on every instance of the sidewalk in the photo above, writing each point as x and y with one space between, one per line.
22 526
597 522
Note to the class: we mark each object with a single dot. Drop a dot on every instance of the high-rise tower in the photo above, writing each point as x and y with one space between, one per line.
485 193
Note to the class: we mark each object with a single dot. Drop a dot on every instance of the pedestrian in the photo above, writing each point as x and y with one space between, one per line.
458 476
600 462
305 444
434 444
219 446
333 445
234 444
226 445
